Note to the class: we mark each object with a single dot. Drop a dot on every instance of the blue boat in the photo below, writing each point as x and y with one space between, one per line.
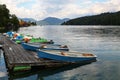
35 46
65 56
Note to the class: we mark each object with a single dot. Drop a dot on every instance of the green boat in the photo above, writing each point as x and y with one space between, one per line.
40 40
18 41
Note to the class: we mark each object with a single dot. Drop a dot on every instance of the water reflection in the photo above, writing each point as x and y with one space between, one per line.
104 41
3 72
45 74
93 71
109 31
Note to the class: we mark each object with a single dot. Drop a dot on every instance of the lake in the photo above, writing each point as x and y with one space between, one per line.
104 41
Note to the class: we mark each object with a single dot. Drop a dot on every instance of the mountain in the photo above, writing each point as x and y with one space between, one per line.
28 19
51 21
65 19
109 18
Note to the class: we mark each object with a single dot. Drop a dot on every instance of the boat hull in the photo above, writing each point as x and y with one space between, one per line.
43 54
29 47
41 40
35 47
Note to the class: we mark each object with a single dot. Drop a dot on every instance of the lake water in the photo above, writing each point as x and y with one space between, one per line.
104 41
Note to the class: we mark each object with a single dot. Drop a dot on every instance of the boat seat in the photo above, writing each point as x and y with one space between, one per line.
63 46
43 46
63 53
87 54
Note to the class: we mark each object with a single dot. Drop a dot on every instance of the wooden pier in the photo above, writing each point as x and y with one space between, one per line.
15 55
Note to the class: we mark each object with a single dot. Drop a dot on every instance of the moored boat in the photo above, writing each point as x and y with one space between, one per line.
35 46
65 56
40 40
18 38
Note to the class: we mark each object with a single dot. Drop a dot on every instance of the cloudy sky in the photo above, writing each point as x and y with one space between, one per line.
40 9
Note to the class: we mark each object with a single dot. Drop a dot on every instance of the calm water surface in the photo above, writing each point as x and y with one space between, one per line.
100 40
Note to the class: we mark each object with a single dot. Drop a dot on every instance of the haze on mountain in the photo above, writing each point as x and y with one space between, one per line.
47 21
52 21
28 19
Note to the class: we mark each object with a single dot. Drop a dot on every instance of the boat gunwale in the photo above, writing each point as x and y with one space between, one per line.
48 48
52 53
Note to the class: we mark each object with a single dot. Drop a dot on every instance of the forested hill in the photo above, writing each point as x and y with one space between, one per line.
101 19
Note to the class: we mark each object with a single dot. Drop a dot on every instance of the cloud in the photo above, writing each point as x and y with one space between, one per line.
40 9
89 8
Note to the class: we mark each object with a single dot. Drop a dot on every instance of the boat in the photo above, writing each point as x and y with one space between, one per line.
40 40
35 46
18 39
66 56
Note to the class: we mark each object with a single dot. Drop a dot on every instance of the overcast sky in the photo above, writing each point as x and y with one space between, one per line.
40 9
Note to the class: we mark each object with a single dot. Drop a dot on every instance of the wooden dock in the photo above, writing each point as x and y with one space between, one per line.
15 55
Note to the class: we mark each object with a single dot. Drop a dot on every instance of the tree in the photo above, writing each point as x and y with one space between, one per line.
101 19
7 21
4 15
14 22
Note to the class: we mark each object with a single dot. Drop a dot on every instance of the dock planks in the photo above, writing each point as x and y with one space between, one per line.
16 55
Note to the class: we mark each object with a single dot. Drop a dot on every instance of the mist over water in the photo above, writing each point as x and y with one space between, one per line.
104 41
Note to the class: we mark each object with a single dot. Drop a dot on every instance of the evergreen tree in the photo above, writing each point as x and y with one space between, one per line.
7 21
101 19
4 15
15 22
